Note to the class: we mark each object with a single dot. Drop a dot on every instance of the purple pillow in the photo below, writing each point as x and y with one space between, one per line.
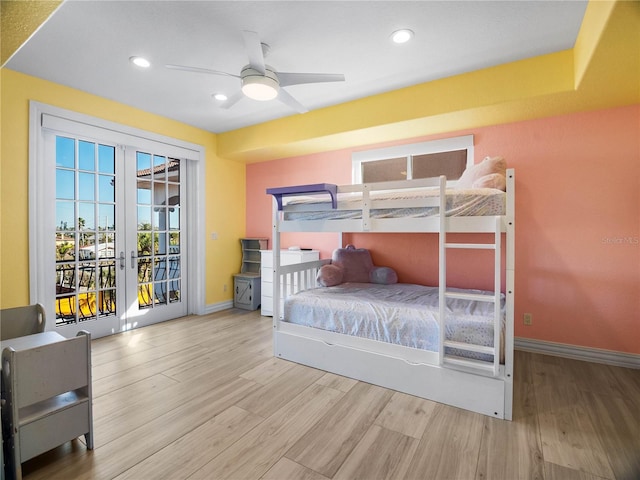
383 275
355 262
329 276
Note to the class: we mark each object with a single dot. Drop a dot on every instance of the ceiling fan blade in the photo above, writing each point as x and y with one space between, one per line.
254 50
287 79
232 100
286 98
200 70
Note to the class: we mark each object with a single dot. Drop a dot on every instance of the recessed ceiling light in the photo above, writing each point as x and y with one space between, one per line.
402 36
221 97
140 62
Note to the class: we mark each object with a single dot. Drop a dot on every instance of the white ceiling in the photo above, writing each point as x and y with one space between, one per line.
87 44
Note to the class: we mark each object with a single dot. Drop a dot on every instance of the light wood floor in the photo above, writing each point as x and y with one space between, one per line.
202 398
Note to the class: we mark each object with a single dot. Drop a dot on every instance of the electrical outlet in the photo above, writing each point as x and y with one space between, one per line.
224 287
528 319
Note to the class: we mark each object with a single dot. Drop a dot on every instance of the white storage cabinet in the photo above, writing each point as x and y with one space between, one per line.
287 257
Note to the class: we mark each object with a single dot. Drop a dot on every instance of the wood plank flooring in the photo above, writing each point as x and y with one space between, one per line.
203 398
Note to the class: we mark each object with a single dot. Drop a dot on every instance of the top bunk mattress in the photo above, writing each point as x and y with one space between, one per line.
400 204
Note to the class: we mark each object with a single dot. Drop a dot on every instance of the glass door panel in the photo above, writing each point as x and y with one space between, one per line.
156 257
85 274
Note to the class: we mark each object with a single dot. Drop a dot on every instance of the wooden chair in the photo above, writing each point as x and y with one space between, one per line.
21 321
48 397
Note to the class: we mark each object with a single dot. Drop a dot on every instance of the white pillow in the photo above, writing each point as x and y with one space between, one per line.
488 166
493 180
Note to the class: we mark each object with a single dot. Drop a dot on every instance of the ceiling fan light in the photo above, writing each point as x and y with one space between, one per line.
260 87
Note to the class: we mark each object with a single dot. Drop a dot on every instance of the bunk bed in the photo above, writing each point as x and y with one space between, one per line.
462 372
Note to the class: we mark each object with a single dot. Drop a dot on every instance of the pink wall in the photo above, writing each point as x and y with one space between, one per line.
328 167
577 227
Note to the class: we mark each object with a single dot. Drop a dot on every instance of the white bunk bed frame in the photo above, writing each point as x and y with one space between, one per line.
483 387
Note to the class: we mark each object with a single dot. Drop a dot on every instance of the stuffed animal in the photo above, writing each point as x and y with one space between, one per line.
351 264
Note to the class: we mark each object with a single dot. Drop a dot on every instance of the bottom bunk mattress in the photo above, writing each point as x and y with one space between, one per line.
401 314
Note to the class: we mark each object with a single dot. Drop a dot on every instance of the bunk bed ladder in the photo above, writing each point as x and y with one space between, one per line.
450 360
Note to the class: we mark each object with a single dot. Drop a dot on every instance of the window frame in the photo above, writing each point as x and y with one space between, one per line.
463 142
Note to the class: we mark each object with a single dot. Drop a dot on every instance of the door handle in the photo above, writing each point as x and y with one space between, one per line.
133 259
123 261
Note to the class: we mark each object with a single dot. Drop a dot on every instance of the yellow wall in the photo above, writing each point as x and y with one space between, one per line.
225 182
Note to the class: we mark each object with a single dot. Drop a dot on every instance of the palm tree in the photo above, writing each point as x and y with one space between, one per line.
62 250
81 224
145 242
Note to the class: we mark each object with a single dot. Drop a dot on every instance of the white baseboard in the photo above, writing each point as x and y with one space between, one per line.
596 355
217 307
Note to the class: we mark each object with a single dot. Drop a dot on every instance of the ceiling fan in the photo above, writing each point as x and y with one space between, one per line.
260 81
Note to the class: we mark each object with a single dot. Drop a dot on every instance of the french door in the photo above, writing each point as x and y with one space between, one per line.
115 237
120 235
155 238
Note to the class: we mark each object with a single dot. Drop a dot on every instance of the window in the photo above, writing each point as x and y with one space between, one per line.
449 157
